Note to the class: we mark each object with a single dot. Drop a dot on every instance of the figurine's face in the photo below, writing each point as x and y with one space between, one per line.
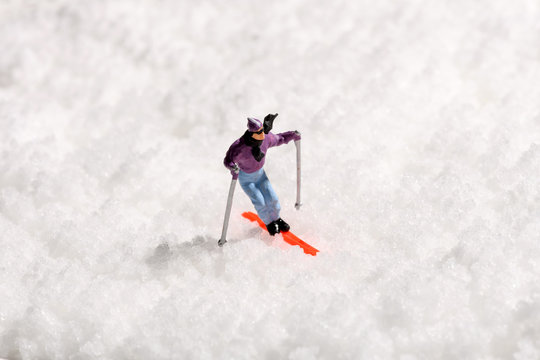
259 134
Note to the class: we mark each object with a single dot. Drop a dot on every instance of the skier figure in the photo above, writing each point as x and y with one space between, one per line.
245 159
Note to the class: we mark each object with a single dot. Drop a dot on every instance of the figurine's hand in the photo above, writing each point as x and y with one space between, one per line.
234 171
297 135
269 122
271 117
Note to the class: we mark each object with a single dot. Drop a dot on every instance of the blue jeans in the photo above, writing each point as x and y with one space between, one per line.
257 186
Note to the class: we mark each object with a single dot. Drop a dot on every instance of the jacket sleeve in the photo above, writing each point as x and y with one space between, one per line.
283 138
230 160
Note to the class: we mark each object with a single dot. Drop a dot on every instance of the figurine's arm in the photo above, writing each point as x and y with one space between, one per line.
283 138
230 162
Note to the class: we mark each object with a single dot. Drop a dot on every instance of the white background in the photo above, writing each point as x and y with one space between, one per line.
421 154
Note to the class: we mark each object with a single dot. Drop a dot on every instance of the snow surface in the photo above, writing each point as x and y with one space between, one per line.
421 154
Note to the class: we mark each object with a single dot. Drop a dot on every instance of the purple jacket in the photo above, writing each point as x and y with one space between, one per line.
240 153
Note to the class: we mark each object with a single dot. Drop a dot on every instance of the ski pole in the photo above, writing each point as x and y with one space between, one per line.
223 239
298 175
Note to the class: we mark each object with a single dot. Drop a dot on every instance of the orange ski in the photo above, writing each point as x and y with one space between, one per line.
288 236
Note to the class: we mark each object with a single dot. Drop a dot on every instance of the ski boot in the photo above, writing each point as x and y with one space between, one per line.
283 226
273 228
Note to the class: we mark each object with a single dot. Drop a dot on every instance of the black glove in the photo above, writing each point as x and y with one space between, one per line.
269 122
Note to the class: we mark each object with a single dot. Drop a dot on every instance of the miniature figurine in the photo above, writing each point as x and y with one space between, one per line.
246 158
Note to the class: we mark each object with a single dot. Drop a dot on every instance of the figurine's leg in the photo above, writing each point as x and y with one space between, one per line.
272 206
255 195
